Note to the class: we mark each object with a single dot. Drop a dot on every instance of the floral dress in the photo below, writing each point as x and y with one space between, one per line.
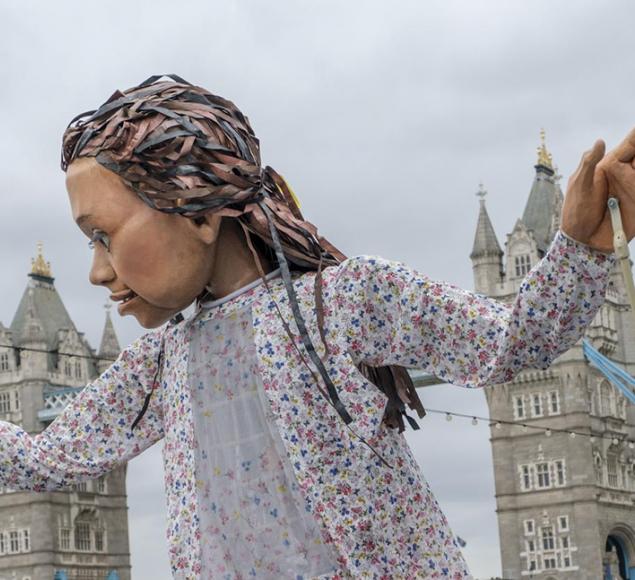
262 477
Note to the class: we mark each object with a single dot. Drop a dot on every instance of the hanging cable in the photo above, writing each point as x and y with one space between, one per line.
52 351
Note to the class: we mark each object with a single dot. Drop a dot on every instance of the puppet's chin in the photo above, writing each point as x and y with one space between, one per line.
147 315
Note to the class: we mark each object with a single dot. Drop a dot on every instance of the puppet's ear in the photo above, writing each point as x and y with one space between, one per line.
206 227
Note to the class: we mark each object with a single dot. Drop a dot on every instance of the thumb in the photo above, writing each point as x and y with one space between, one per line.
590 159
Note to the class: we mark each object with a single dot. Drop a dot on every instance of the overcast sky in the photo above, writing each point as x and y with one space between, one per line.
383 116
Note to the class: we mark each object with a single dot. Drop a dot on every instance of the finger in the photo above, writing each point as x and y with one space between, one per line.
590 160
600 184
625 151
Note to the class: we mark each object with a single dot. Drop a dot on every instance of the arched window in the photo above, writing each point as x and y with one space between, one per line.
522 264
5 402
89 533
78 369
605 398
82 536
611 469
599 469
4 361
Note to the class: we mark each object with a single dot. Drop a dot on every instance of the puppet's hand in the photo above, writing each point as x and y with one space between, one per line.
585 216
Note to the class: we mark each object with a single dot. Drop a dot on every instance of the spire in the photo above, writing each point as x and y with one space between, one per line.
40 268
40 305
542 211
485 241
31 330
544 157
109 347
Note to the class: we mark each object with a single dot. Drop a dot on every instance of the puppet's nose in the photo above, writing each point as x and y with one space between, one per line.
101 272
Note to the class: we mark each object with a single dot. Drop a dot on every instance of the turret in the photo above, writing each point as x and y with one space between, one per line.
39 317
486 256
109 348
544 204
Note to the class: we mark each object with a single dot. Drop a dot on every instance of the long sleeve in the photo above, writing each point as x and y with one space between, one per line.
92 435
394 315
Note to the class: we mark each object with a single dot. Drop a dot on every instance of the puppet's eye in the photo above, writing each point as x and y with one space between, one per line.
99 236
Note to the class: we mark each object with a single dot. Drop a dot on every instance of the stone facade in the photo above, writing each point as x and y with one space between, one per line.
44 363
566 506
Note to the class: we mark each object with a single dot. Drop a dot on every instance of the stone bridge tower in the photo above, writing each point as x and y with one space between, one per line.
566 506
79 533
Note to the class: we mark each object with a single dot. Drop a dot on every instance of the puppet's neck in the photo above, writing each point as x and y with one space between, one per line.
242 290
234 266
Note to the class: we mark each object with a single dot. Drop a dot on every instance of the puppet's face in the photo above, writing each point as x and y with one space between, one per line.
154 264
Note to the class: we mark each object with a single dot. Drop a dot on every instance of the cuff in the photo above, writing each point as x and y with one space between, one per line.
594 262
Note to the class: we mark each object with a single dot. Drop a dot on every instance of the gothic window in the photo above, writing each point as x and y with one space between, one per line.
532 565
99 540
78 369
529 527
519 407
564 541
607 399
525 477
563 523
5 402
65 539
26 541
16 401
68 368
81 486
542 475
599 471
536 406
82 536
101 484
14 542
523 265
550 562
4 361
559 468
548 542
611 468
531 546
554 403
3 543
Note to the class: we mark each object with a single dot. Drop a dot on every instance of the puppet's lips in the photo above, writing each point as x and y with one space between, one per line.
127 304
123 296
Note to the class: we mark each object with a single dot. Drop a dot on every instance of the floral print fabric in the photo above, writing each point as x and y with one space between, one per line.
379 521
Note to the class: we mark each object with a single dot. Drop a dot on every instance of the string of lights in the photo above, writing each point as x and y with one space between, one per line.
49 351
496 423
548 431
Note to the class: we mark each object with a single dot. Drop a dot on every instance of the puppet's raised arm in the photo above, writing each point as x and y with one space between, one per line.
394 315
92 435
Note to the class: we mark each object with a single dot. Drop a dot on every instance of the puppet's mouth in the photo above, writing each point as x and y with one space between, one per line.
123 296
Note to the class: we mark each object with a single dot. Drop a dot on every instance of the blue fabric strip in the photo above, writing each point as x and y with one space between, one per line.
617 376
